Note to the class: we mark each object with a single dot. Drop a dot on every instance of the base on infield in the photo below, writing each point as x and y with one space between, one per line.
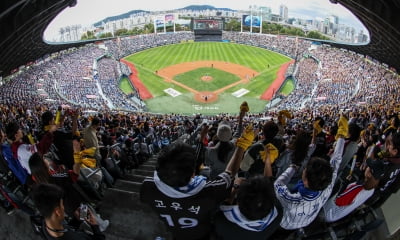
206 97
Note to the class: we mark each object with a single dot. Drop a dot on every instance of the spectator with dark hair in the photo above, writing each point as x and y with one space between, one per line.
330 136
302 204
256 214
62 142
48 119
15 166
390 181
23 150
186 202
48 198
298 152
44 170
253 162
394 124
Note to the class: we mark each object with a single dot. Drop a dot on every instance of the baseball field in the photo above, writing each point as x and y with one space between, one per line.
205 77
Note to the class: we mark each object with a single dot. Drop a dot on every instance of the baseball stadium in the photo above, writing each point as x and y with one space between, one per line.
200 123
204 76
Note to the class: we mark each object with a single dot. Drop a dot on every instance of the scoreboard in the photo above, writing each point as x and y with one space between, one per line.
208 24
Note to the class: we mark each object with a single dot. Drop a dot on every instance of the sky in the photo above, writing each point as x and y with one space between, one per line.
87 12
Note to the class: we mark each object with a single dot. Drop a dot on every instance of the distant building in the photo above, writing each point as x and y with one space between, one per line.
265 13
334 19
362 38
345 33
275 18
283 13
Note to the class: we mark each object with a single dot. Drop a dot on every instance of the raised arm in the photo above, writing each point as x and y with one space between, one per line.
343 128
244 108
267 163
241 146
77 157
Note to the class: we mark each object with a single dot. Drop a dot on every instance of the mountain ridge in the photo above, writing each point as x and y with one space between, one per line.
127 14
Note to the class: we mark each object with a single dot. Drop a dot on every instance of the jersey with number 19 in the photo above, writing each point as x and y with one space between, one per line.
187 214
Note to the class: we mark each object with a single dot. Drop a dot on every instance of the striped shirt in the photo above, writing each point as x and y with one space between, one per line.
299 211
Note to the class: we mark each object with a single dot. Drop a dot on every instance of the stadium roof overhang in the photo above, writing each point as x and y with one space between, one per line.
24 22
382 19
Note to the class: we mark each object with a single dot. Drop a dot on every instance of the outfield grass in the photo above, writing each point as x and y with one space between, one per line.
193 79
288 87
249 56
154 83
125 86
258 59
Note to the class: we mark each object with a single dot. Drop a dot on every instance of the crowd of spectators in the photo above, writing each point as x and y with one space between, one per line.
109 82
25 86
335 76
327 76
306 80
69 76
122 47
289 46
73 75
342 78
363 92
340 74
156 132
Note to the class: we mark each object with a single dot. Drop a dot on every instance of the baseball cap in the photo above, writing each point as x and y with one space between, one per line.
224 132
377 167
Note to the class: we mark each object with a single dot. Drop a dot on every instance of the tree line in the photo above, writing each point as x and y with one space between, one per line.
232 25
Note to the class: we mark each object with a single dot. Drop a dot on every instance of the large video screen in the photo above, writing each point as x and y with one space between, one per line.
207 24
159 21
169 20
247 20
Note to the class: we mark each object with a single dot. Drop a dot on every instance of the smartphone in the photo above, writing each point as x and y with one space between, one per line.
83 212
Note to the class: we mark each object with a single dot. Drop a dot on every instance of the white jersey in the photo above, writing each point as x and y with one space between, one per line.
299 211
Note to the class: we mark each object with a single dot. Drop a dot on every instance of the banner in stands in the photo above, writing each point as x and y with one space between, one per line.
169 20
91 96
159 21
247 21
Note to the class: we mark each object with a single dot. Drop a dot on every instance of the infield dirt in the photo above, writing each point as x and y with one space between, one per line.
244 73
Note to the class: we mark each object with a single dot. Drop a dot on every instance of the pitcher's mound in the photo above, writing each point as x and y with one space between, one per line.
206 97
206 78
